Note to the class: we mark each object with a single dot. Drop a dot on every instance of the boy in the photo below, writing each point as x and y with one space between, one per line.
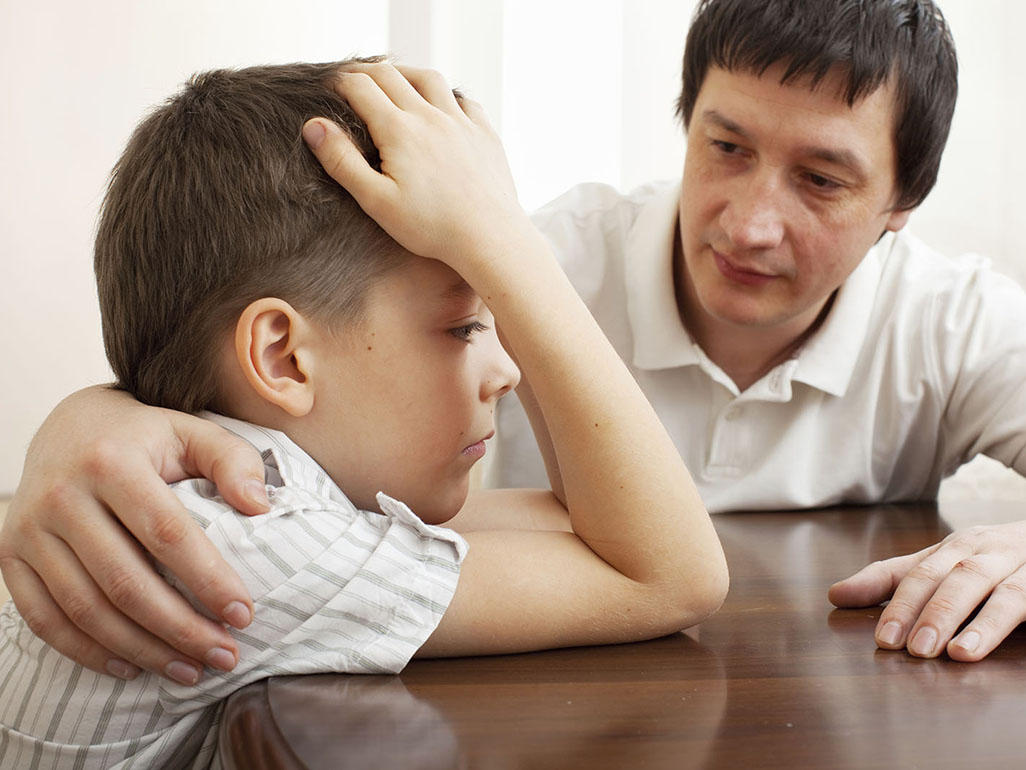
234 275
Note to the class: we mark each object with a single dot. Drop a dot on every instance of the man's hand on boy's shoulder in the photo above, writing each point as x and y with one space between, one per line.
93 490
932 592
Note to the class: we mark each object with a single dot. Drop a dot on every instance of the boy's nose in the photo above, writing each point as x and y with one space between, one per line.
504 375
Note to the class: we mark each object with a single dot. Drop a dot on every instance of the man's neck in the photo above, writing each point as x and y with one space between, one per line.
744 353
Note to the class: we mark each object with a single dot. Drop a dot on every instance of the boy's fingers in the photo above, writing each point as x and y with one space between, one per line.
475 112
345 163
158 520
369 101
230 462
393 83
432 86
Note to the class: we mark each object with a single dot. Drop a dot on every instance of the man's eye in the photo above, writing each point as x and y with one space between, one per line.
466 332
727 148
822 182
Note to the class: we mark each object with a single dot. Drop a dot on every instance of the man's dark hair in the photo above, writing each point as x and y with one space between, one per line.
216 202
868 41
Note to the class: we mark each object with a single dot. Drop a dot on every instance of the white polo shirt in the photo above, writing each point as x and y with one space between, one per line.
919 366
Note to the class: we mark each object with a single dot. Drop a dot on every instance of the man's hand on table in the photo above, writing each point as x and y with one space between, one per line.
92 497
932 592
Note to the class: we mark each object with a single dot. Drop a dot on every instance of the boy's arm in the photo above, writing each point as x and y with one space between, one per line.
541 435
643 559
92 491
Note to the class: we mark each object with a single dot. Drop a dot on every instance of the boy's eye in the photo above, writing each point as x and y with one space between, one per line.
466 332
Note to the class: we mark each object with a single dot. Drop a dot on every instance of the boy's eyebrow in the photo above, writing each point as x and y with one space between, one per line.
460 290
837 157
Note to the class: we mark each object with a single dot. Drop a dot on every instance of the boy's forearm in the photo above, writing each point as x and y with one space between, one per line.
541 431
629 494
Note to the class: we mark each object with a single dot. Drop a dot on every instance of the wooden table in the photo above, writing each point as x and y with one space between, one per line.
777 678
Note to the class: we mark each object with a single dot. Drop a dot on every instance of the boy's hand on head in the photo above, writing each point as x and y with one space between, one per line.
77 573
445 187
932 592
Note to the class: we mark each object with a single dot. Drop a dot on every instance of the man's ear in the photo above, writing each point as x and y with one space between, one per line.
898 219
273 347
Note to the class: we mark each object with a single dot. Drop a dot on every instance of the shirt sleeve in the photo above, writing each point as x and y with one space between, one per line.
335 589
979 330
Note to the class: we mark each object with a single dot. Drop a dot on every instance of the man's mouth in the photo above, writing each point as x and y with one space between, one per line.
742 274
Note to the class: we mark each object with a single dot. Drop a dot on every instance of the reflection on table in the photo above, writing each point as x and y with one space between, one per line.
776 679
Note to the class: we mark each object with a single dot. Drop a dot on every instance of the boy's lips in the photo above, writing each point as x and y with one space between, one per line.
477 449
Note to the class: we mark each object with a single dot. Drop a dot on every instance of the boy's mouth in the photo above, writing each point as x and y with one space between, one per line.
477 449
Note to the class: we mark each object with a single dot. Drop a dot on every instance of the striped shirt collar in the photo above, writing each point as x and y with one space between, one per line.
285 463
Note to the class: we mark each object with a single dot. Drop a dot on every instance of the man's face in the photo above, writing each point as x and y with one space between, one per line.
414 388
785 189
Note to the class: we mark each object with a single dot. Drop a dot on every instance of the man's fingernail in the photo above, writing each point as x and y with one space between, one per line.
923 642
257 492
890 633
221 659
181 672
314 133
122 669
237 615
969 641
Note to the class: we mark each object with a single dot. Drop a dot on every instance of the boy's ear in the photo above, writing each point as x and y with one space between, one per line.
273 346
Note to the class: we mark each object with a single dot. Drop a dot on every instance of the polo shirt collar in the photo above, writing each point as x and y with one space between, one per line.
660 339
827 360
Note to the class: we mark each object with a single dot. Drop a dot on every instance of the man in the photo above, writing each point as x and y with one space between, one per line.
799 348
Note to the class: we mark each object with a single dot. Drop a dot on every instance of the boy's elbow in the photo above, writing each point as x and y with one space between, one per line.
713 592
695 596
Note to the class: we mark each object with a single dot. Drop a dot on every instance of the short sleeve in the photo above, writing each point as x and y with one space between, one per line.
979 329
335 589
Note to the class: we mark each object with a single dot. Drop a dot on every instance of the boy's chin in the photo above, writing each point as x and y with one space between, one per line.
442 506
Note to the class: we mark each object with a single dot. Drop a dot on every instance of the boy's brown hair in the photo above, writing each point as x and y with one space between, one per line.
216 202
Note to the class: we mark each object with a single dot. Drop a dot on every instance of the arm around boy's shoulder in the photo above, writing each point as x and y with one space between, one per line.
335 589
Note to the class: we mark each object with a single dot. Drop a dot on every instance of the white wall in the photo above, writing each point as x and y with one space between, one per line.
579 89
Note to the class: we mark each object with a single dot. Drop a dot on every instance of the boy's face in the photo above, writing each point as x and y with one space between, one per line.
785 189
411 391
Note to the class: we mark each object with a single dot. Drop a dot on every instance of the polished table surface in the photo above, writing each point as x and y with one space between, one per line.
777 678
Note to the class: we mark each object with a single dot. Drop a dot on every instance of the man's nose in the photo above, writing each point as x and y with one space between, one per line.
753 218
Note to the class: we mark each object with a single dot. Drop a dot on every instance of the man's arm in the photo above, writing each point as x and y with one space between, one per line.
93 490
974 332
